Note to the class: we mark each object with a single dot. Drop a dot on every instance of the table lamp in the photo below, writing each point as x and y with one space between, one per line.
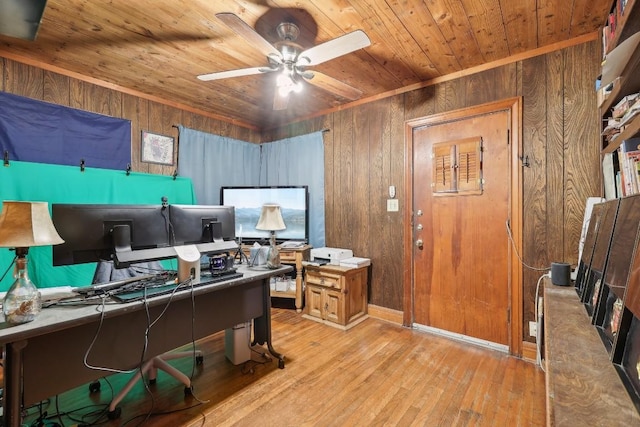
271 220
23 225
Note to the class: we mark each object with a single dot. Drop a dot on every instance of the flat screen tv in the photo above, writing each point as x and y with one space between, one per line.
248 201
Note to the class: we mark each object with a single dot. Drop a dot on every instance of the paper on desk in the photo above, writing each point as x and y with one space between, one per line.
51 294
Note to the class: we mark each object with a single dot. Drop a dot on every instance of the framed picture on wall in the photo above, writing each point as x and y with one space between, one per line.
156 148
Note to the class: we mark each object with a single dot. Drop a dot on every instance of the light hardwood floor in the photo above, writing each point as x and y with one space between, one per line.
375 374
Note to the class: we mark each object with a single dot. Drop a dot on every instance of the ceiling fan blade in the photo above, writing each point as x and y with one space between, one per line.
280 102
249 34
235 73
333 48
332 85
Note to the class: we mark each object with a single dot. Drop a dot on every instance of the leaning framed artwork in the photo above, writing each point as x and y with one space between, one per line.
156 148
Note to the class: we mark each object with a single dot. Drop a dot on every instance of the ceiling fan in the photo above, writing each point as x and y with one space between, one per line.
291 61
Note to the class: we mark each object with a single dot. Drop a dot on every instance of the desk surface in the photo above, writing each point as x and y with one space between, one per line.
48 356
57 318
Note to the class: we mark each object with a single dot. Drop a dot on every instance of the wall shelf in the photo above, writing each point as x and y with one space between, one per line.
631 130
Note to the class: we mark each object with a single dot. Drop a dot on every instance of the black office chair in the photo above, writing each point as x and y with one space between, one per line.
106 272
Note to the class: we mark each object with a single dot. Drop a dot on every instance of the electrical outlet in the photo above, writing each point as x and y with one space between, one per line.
533 329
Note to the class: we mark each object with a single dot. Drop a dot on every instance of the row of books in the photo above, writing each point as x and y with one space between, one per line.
621 115
609 31
621 170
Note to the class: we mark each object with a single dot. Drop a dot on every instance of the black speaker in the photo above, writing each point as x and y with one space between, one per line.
560 274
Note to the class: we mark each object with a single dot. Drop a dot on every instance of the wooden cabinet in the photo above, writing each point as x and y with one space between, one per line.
336 295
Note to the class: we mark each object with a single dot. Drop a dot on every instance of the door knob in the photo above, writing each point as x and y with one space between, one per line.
419 243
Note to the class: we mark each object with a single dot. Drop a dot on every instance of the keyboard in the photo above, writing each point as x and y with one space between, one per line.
153 290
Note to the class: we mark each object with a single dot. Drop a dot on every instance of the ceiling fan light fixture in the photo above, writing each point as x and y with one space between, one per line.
289 60
287 83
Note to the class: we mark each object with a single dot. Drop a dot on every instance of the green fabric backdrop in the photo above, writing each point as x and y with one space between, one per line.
67 184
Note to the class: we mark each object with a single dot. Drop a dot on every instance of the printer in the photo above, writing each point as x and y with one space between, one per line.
330 255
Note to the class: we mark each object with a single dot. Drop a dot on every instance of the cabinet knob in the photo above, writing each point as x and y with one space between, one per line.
419 243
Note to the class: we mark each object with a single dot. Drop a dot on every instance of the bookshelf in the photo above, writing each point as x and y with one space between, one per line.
620 81
625 20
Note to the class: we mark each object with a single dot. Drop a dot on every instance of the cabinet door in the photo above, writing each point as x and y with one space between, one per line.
357 295
334 306
314 301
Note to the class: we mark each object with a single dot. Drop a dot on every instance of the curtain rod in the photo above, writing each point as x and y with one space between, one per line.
321 130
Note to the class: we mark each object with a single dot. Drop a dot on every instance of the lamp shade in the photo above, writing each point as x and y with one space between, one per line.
270 218
27 224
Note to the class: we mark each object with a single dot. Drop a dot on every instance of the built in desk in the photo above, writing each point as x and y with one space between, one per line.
583 387
45 357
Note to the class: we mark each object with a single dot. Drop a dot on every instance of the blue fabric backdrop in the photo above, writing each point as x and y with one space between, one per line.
213 161
37 131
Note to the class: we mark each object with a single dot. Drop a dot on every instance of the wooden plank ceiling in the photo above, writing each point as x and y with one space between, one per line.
156 48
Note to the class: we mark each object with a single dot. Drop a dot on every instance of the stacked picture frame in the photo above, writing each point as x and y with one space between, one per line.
608 284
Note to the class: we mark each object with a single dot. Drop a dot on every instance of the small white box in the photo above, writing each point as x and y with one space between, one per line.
281 285
355 262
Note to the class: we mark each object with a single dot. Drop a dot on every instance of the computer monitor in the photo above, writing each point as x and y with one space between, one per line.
95 232
192 224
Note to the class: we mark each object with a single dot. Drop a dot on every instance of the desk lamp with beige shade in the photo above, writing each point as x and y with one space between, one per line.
23 225
271 220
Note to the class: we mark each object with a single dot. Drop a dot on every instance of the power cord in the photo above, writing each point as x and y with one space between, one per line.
515 249
8 268
547 273
538 325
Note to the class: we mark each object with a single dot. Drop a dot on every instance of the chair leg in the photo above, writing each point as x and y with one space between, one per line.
145 367
151 367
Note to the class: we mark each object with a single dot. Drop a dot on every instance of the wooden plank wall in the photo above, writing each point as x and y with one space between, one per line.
36 83
365 154
364 148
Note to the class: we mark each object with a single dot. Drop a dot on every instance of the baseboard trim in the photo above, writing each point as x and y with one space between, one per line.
384 313
529 351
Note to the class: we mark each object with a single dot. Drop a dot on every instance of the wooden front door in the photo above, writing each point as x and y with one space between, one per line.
461 205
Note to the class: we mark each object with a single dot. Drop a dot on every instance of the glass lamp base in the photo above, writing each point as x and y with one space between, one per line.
22 302
273 255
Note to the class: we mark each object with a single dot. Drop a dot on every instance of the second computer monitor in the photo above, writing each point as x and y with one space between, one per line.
201 223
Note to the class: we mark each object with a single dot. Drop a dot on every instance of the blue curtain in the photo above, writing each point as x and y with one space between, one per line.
40 132
213 161
299 161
